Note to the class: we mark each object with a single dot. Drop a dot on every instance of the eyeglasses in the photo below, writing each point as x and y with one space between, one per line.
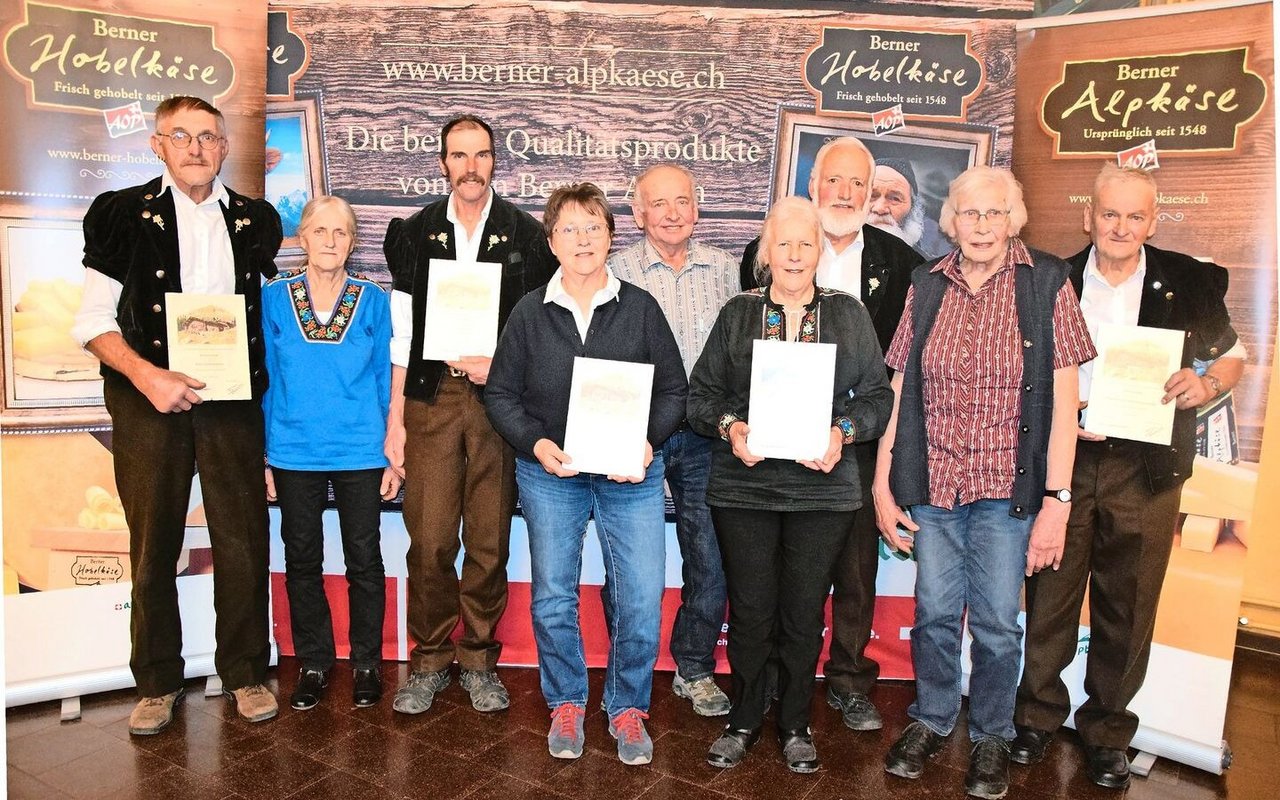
970 216
593 231
182 140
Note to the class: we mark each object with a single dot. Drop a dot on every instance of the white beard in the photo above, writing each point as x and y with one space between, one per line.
840 223
910 231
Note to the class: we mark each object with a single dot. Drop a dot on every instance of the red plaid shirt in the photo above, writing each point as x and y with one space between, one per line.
971 370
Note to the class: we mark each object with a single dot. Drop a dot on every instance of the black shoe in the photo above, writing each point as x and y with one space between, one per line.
311 683
732 746
798 750
366 687
907 756
1029 745
1108 766
857 710
988 775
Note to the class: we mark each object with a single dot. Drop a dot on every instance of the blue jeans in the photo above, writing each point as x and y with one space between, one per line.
971 557
631 526
702 599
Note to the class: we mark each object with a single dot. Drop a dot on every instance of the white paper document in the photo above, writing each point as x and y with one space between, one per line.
207 340
1129 375
791 388
462 309
608 416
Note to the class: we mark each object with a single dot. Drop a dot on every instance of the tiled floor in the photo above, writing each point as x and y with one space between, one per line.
338 751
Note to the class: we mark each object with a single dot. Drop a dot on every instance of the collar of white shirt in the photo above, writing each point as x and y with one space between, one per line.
556 292
1091 268
217 195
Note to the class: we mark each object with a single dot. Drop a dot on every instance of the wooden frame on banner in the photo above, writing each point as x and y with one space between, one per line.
53 383
933 148
299 159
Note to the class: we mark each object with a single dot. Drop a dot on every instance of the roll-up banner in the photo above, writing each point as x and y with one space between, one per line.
78 90
1188 94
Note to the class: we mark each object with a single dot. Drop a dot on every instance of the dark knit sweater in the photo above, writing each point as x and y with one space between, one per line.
527 395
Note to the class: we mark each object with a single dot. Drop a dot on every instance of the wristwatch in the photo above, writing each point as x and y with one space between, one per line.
1061 495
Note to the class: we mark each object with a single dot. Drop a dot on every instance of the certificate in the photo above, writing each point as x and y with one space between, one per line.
207 341
462 309
608 416
792 384
1133 365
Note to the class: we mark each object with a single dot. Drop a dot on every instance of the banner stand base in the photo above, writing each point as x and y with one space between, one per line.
212 686
70 709
1142 763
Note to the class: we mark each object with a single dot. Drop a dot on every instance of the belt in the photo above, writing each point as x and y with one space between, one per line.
454 372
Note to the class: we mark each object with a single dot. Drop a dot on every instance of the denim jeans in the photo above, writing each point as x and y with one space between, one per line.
702 598
971 557
302 500
630 523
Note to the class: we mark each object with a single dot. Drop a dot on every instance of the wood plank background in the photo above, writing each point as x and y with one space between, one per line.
759 52
1236 228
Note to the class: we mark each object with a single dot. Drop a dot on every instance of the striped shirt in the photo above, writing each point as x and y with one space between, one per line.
971 367
691 298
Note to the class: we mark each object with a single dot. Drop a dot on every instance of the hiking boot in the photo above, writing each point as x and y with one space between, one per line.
907 756
856 709
708 699
419 691
486 690
988 775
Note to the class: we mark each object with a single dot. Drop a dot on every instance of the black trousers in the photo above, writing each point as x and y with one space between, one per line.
302 496
155 458
778 567
1119 538
853 599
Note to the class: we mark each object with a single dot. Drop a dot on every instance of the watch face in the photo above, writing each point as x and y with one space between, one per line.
1061 495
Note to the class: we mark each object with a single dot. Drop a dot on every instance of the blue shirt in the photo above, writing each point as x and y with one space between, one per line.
330 384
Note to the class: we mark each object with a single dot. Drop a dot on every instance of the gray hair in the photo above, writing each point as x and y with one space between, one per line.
981 175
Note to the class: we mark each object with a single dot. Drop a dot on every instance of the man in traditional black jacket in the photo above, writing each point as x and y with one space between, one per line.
456 467
183 232
1125 494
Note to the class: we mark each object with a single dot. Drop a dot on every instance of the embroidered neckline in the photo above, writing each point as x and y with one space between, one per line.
343 312
774 319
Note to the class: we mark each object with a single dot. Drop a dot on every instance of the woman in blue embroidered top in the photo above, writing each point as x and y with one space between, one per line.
781 524
328 335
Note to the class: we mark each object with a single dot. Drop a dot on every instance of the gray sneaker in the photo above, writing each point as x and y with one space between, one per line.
487 692
419 691
565 738
708 699
634 745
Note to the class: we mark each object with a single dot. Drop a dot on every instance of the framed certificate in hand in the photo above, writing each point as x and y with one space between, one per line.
1134 363
791 388
462 309
608 416
208 341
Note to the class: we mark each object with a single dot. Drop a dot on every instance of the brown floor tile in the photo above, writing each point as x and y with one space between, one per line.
340 786
600 775
52 746
105 771
522 753
502 787
22 786
174 784
452 751
273 772
435 776
373 753
670 788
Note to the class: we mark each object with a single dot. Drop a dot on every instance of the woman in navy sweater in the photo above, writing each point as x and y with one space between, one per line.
586 311
328 335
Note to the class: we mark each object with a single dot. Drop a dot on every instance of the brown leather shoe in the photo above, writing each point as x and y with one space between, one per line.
153 714
255 703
